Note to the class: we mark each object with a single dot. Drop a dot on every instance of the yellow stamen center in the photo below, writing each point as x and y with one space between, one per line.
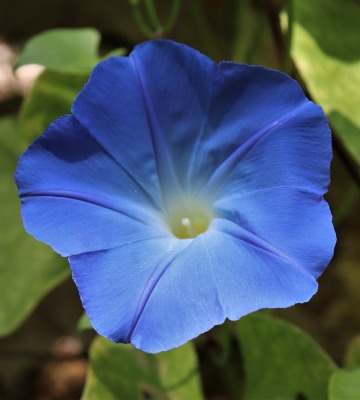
188 218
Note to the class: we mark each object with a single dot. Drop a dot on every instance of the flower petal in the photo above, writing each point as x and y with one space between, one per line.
185 302
115 284
76 197
217 276
160 293
295 221
252 276
150 104
295 152
242 141
250 103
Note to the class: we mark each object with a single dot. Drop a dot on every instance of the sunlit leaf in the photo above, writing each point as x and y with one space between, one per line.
345 384
28 269
123 372
65 50
326 51
281 361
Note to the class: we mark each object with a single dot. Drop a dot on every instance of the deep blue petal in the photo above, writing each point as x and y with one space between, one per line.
76 197
152 106
295 152
296 222
111 107
249 103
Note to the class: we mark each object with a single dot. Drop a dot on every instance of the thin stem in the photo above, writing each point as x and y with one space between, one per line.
287 59
174 12
140 20
153 17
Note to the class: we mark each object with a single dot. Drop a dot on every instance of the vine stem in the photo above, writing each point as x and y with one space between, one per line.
140 20
173 15
154 29
153 17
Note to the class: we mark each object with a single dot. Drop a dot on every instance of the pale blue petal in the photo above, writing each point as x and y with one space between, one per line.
296 222
251 274
160 293
220 274
185 302
115 284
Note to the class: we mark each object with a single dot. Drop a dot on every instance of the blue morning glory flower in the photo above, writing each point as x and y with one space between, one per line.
183 192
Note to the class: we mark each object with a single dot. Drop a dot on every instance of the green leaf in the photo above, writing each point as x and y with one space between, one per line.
120 371
281 361
28 269
121 51
84 323
345 384
51 96
326 51
352 355
65 50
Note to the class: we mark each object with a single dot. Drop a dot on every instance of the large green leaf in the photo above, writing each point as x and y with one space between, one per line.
122 372
65 50
281 361
28 269
326 50
51 96
345 384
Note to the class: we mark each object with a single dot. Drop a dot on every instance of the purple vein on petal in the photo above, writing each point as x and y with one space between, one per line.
124 244
225 168
155 277
136 214
241 195
145 192
239 232
165 166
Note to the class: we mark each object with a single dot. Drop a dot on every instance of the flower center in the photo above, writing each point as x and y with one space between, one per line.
189 218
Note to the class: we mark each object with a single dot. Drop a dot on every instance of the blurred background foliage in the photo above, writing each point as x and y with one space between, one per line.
309 351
